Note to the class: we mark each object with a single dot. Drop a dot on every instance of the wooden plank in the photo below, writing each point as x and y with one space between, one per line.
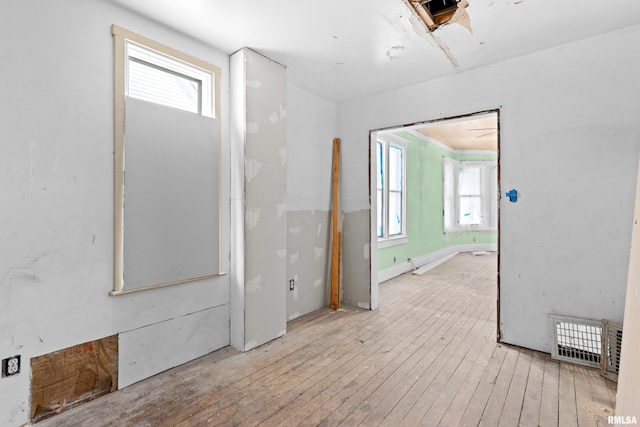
550 389
513 404
335 218
530 412
495 405
567 410
584 398
475 408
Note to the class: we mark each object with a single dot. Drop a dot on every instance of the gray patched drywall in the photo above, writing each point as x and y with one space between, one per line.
308 250
356 254
259 91
311 127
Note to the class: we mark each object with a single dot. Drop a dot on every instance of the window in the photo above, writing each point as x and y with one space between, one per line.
167 138
162 79
391 164
470 198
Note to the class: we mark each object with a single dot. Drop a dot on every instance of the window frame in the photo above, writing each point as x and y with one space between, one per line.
121 39
451 218
386 142
144 54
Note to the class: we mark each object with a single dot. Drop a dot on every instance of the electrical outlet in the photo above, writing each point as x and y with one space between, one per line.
11 366
292 284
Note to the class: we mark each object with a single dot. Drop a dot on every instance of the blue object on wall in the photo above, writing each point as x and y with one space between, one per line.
513 196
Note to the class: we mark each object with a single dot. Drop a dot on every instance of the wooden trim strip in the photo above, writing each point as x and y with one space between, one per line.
129 35
118 164
335 233
164 285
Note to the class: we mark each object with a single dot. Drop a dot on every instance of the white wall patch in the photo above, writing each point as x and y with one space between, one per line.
294 315
318 252
253 217
281 209
367 250
274 118
251 169
317 282
252 128
254 284
295 230
293 258
281 253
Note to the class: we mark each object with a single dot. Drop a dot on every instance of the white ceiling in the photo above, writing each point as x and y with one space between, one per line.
345 49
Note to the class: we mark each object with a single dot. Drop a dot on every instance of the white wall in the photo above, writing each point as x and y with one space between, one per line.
311 127
56 180
569 144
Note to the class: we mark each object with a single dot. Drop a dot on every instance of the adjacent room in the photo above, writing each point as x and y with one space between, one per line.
382 212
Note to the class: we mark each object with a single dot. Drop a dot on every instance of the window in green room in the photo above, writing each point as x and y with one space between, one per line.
391 189
470 195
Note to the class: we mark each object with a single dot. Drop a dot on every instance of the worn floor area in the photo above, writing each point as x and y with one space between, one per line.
427 357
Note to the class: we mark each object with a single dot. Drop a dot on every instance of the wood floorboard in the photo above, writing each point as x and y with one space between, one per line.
426 357
532 400
550 390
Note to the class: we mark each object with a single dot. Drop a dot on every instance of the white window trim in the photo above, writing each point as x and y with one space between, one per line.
402 238
489 209
121 37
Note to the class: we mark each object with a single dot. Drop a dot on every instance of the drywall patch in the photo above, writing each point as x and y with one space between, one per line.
254 284
319 252
294 316
281 209
251 169
252 128
293 258
274 118
281 253
319 230
282 152
295 230
367 250
317 282
253 217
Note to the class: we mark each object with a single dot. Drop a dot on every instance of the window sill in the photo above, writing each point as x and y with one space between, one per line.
392 241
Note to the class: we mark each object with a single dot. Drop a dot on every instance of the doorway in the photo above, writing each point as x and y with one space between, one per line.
435 193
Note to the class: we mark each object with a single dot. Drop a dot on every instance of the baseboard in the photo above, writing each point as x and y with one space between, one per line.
428 261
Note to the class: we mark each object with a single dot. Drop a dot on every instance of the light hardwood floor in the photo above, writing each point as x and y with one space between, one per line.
427 357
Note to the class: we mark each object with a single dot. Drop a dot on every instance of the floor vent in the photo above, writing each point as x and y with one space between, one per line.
611 344
577 340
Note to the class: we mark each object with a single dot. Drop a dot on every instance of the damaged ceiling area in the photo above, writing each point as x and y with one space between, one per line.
342 50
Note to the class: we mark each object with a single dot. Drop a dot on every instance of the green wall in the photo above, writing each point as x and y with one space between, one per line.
424 205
